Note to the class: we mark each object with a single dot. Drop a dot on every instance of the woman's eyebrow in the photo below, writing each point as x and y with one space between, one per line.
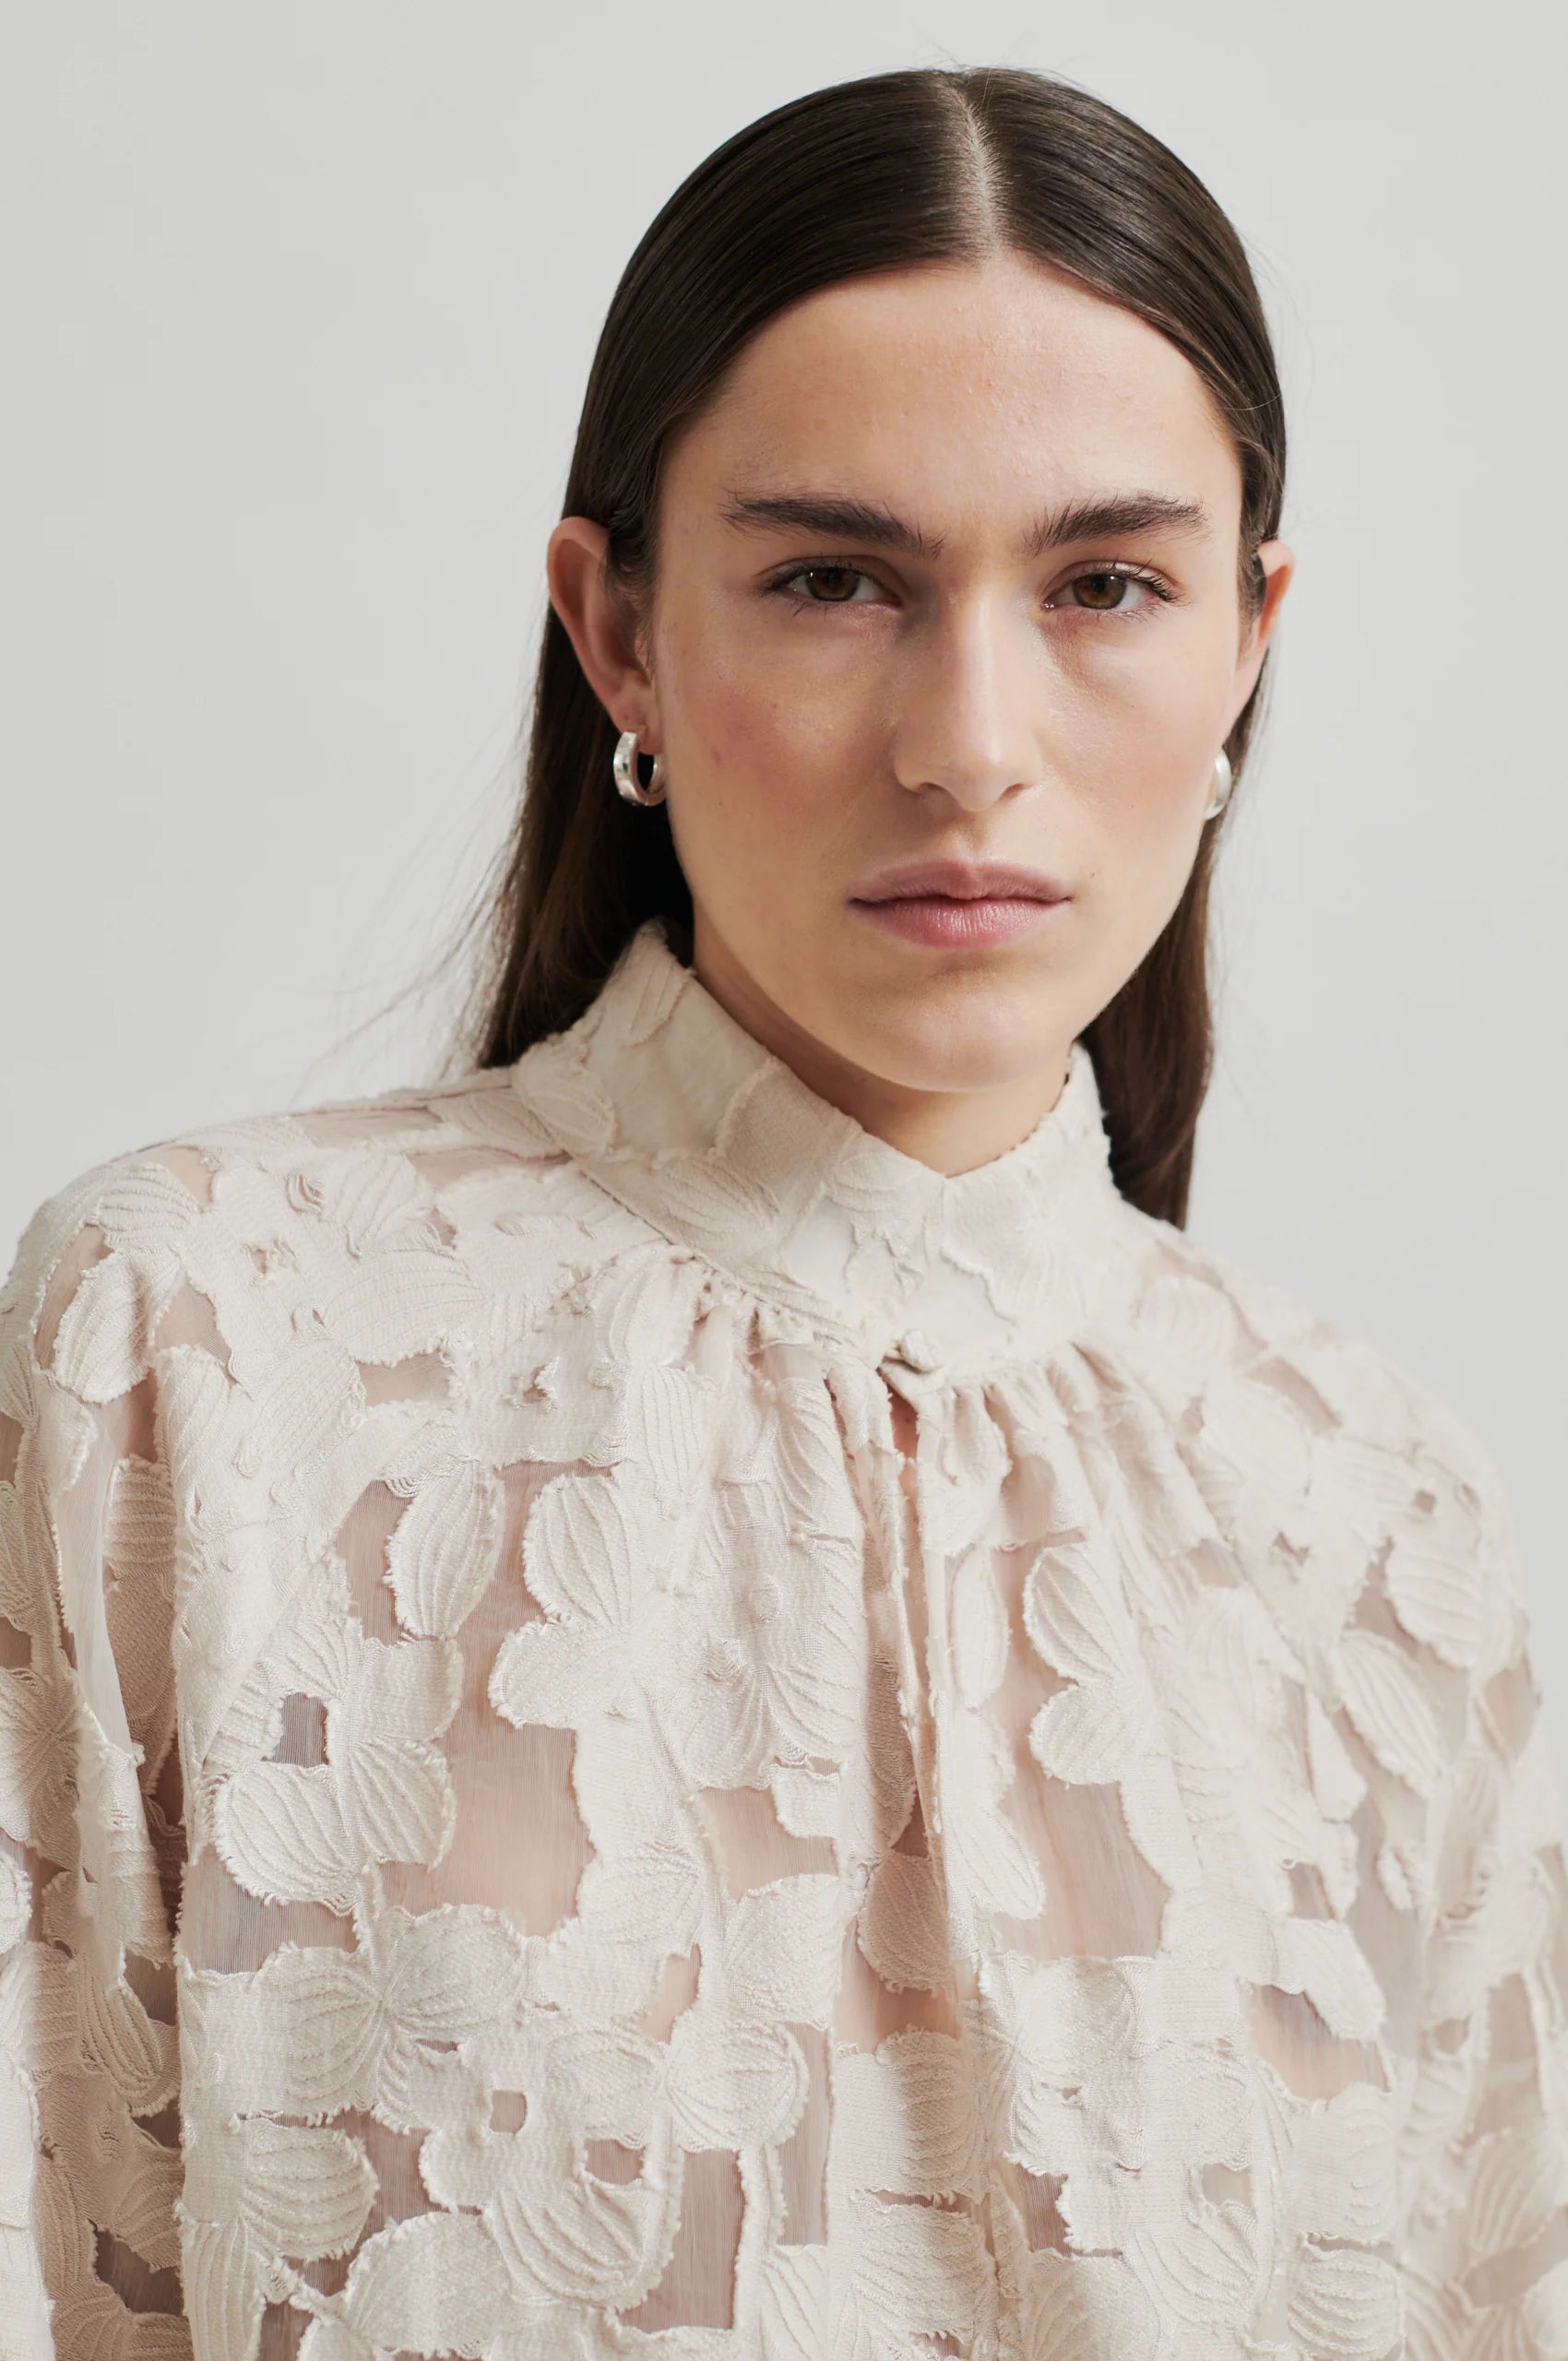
847 520
1090 517
1099 514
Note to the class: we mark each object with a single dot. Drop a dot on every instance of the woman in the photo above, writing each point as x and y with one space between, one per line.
707 1692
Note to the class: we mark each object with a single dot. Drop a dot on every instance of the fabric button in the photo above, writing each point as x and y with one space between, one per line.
915 1352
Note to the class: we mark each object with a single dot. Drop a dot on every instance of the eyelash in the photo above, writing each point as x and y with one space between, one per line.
1123 572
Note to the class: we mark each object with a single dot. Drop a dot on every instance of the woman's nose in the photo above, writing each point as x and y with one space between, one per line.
970 711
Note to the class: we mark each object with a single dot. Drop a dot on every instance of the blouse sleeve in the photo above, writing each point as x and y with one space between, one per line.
1486 2237
90 1808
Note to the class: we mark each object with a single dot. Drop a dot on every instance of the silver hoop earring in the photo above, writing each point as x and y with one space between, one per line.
625 764
1224 780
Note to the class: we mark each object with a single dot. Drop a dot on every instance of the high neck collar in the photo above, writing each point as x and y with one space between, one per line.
683 1116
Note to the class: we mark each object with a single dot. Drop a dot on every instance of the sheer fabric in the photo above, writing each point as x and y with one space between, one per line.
631 1722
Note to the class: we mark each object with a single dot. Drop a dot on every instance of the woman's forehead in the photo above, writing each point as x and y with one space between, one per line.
980 376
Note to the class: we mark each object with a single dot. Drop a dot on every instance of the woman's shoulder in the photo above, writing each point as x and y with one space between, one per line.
356 1178
1251 1347
1363 1512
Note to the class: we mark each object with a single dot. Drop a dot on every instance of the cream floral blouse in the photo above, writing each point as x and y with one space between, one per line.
632 1724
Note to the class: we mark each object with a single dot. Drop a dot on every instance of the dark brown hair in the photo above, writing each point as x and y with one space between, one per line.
881 173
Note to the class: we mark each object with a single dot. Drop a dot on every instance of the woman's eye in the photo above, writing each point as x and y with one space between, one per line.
829 586
1104 591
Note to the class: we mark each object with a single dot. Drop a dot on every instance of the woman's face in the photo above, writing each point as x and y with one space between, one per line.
947 572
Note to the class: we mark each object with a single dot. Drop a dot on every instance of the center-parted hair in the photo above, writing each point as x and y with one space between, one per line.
882 173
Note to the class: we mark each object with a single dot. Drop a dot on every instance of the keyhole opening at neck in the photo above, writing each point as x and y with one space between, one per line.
906 1429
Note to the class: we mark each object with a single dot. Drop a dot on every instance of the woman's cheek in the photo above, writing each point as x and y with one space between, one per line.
756 732
1153 750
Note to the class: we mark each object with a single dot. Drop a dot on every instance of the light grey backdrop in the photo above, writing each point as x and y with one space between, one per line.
304 299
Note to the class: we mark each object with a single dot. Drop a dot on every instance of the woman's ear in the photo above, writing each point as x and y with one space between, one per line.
1277 560
598 622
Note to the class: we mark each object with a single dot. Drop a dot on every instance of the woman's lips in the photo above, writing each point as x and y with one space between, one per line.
947 919
960 902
